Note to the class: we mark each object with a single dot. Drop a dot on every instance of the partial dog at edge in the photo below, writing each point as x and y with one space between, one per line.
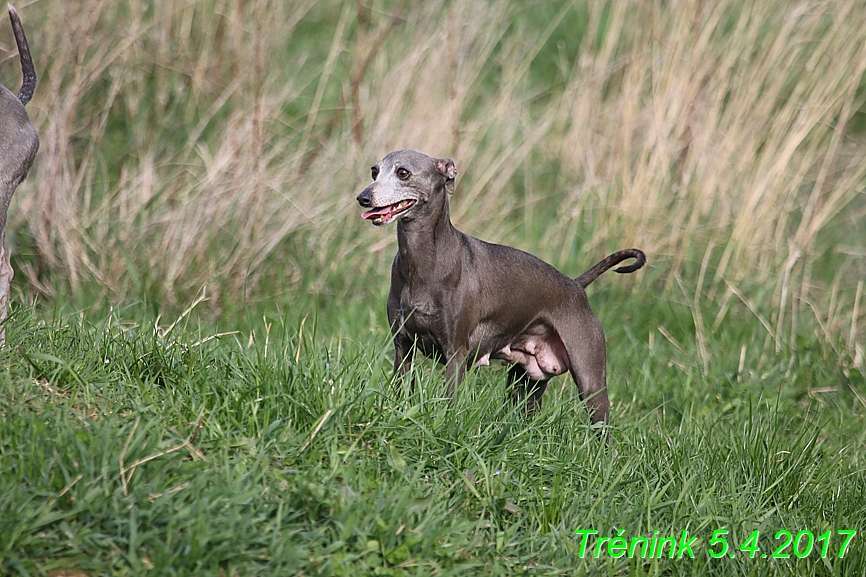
18 145
463 301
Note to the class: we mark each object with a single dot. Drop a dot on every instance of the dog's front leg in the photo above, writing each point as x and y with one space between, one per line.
455 369
404 354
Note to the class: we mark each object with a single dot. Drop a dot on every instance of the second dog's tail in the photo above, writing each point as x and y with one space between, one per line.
28 86
596 271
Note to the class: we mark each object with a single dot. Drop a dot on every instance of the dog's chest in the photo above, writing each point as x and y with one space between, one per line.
421 318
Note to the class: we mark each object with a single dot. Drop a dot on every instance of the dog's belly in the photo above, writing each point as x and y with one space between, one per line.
539 350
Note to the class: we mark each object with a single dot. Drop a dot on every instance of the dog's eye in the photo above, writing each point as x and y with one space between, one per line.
375 172
402 173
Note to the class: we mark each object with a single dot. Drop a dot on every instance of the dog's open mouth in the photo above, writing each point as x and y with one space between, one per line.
386 214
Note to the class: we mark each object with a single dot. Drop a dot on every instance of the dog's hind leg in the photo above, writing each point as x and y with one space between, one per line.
584 342
524 390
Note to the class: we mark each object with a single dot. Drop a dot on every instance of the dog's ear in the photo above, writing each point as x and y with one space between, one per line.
448 169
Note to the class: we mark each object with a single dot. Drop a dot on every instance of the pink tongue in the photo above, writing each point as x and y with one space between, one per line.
371 214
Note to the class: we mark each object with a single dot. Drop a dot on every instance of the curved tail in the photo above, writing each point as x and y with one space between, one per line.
596 271
28 86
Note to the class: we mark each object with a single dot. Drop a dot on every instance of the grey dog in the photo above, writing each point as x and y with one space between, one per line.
18 145
463 301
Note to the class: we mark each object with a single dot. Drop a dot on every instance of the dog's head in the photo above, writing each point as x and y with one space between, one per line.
403 183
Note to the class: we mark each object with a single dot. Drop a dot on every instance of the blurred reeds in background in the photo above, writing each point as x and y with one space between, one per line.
222 143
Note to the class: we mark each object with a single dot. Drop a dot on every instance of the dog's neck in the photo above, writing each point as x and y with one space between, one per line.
428 244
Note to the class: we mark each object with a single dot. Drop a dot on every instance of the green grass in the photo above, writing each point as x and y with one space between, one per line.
287 449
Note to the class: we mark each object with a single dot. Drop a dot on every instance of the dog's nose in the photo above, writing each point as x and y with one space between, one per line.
365 199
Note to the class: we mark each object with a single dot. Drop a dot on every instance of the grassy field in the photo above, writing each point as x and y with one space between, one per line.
287 449
197 375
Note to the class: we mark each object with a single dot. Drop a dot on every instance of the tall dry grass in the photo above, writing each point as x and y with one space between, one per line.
222 143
